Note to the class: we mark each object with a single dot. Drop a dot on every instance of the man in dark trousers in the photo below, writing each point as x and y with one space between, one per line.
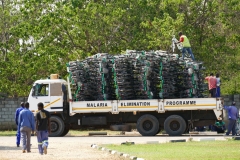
43 128
16 121
186 45
212 84
26 124
233 115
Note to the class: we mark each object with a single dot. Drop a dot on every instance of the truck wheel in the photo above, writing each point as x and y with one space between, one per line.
57 126
148 125
66 130
175 125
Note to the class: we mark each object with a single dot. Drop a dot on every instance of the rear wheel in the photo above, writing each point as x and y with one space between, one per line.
175 125
57 126
148 125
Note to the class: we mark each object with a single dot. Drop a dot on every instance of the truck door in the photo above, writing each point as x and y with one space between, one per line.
40 93
56 97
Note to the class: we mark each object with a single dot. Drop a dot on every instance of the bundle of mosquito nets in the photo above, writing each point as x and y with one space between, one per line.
136 75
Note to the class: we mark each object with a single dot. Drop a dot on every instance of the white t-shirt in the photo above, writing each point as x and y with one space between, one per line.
218 82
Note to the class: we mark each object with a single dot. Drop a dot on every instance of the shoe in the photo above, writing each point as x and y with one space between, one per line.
45 150
41 153
23 151
28 151
17 145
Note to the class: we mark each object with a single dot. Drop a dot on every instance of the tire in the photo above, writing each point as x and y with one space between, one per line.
57 126
148 125
175 125
66 130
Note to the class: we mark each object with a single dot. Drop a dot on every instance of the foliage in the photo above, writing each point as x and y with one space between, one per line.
37 38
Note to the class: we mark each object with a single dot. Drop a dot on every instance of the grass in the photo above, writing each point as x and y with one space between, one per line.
212 150
70 133
8 133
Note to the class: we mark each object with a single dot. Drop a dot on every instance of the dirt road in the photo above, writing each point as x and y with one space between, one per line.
60 148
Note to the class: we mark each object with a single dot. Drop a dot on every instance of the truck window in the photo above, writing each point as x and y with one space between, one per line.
56 89
41 90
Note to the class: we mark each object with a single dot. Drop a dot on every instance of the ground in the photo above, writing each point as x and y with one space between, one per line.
79 147
60 148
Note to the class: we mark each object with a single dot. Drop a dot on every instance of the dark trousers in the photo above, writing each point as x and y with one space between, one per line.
18 136
218 92
231 127
189 50
42 137
218 129
213 92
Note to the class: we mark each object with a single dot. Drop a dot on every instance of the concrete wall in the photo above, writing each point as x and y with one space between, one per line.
8 107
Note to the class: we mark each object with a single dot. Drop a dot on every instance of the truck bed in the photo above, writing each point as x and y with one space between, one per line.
158 105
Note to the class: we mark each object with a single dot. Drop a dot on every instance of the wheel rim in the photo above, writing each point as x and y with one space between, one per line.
54 126
174 125
147 125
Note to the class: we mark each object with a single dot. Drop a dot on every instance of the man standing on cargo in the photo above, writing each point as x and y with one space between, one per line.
233 115
212 84
218 85
43 128
186 45
26 125
16 120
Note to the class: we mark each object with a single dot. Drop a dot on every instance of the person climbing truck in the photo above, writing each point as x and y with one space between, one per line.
186 45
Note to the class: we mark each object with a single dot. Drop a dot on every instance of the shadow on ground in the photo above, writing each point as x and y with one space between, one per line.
13 148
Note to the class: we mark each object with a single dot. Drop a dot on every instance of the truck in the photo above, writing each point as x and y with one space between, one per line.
175 116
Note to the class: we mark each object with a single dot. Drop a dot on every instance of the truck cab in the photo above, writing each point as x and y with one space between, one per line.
51 93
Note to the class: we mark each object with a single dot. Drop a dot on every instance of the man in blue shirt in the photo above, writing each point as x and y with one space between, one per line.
233 115
16 120
26 124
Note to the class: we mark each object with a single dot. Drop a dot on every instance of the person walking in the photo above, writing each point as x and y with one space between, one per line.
18 135
218 85
233 115
212 84
43 128
186 45
26 125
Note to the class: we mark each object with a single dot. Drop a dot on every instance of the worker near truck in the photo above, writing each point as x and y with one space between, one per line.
212 84
43 128
26 124
18 135
219 127
186 45
233 115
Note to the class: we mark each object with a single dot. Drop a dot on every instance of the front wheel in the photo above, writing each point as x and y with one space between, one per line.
175 125
66 130
148 125
57 126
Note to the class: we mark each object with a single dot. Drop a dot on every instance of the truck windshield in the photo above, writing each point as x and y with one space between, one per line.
41 90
